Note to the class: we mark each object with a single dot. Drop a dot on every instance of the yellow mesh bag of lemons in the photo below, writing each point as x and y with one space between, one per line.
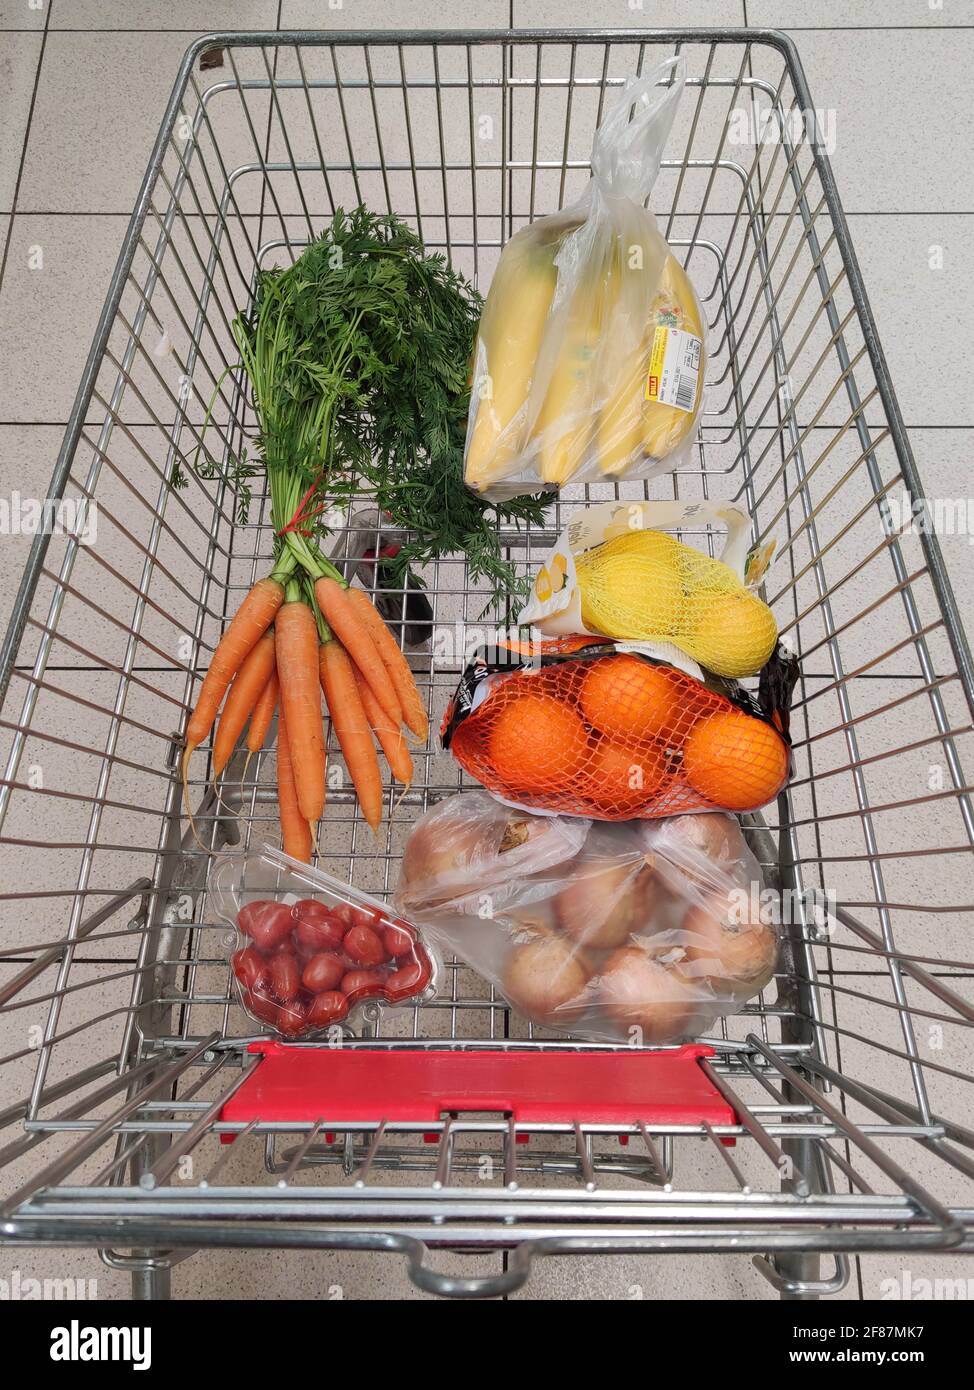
647 586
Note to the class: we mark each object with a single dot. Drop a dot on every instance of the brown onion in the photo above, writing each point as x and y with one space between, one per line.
716 836
638 991
544 975
446 859
735 954
606 901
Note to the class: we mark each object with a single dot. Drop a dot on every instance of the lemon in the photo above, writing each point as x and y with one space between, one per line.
731 634
632 587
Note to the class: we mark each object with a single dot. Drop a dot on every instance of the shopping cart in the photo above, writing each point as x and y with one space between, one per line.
829 1115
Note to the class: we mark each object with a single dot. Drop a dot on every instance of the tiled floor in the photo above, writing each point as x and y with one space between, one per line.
83 84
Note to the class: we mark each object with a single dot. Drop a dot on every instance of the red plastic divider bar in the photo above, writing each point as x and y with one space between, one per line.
354 1085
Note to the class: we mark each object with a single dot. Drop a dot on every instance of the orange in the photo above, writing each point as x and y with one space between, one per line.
735 761
626 697
536 743
621 780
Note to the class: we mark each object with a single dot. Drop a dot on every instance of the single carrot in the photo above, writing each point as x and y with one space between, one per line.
297 672
352 728
247 687
392 740
263 713
260 721
250 622
357 641
295 830
414 715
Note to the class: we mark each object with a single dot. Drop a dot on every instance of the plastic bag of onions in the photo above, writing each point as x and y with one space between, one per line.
644 932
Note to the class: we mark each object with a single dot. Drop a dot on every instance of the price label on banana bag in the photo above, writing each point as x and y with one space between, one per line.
674 368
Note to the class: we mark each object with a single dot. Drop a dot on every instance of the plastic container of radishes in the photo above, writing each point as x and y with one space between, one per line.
308 950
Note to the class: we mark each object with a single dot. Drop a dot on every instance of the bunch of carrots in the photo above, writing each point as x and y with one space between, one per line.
300 632
354 356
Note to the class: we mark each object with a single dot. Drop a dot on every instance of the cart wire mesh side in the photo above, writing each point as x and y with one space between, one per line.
848 1078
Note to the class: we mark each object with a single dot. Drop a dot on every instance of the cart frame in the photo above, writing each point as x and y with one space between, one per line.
801 424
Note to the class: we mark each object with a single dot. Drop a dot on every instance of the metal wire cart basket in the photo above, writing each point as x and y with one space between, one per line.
828 1116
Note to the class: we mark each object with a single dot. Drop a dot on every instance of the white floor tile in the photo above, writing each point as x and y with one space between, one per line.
19 57
43 288
848 14
27 455
944 458
918 273
40 1272
320 1275
201 18
917 1278
626 14
23 14
390 14
878 83
100 102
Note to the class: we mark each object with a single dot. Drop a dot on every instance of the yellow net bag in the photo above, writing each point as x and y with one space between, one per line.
649 587
613 574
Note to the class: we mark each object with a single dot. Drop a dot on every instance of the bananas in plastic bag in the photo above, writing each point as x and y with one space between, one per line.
590 357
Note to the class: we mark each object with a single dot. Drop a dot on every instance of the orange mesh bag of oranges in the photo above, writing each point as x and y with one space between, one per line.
617 571
586 728
640 932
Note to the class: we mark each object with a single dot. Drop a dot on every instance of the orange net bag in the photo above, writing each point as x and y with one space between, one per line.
583 728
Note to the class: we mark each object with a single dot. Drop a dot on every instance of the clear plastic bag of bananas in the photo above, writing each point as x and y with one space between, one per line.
591 354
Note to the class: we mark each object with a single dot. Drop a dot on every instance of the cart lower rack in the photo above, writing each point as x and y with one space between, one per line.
831 1112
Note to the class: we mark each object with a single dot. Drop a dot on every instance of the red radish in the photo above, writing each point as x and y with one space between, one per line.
266 923
285 976
408 979
292 1018
310 910
363 946
362 916
261 1006
361 982
398 941
328 1007
320 936
323 972
250 967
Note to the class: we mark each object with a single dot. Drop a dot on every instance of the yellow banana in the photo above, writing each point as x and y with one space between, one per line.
511 330
620 436
665 427
564 424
